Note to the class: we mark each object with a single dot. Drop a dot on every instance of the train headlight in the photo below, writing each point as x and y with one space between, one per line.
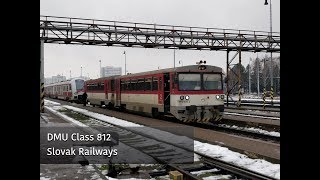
222 96
217 96
181 97
187 97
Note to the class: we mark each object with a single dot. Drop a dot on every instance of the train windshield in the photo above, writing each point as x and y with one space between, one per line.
212 81
189 82
79 84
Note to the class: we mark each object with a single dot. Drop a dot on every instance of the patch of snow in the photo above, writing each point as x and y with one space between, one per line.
65 116
204 171
45 178
252 129
50 102
217 177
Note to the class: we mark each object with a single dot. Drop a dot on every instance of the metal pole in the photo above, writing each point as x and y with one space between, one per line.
100 69
239 79
249 77
227 83
258 83
271 67
174 58
264 73
41 76
125 62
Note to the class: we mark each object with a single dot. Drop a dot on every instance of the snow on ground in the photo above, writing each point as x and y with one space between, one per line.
223 153
204 171
45 178
196 157
217 177
125 178
50 102
65 116
272 133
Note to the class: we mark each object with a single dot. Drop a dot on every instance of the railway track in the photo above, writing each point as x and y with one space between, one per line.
261 114
241 132
216 127
257 107
141 141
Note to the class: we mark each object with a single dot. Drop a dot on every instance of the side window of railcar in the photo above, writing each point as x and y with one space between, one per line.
127 84
140 84
101 86
148 83
133 84
154 83
121 85
112 85
90 87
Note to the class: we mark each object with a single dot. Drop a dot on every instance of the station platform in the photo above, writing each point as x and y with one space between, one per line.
65 171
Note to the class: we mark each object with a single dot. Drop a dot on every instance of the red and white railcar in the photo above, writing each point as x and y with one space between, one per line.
71 90
190 93
101 91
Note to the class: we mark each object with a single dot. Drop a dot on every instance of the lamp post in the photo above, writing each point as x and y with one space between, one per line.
174 58
125 62
100 68
258 71
249 76
271 63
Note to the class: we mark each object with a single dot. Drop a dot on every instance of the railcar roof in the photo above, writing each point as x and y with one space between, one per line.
190 68
102 78
62 82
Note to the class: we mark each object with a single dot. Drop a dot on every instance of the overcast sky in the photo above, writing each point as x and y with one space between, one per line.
229 14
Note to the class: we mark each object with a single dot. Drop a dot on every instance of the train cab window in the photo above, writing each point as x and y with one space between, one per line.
154 83
70 87
79 84
212 82
189 82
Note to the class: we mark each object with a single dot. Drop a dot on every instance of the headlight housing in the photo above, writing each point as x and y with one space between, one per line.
217 97
181 97
222 96
187 97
